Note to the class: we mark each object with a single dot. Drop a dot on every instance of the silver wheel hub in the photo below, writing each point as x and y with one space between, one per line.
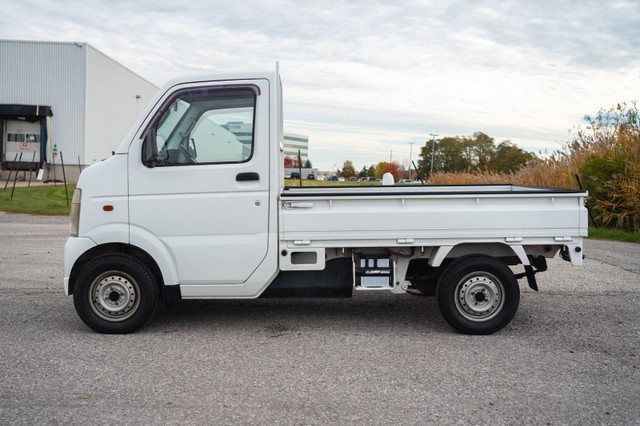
114 296
479 296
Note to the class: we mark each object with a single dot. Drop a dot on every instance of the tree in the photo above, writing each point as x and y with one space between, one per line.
483 148
307 164
291 162
450 156
364 172
424 159
467 151
475 152
371 172
507 157
380 167
395 169
348 171
385 167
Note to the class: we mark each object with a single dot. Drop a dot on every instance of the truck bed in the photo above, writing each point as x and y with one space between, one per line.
357 190
430 215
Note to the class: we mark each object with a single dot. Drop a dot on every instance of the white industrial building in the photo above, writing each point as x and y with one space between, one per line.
64 100
296 143
293 143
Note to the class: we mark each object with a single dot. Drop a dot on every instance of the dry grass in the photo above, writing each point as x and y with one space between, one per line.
606 156
311 182
552 173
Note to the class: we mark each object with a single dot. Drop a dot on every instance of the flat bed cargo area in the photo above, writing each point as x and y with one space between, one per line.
363 190
430 215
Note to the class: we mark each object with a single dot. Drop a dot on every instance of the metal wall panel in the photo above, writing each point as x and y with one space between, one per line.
115 98
94 99
48 73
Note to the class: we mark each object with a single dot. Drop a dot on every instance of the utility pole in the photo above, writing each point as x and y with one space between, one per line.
433 150
390 156
410 155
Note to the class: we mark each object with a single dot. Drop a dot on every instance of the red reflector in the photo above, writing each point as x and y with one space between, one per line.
107 208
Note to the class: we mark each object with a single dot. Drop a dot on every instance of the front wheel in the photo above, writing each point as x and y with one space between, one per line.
115 294
478 294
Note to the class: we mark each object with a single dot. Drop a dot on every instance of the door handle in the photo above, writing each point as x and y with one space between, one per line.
298 205
240 177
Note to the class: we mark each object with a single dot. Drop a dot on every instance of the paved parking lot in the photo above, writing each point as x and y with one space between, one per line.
570 356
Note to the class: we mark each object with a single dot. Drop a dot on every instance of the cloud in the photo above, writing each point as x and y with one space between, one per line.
362 78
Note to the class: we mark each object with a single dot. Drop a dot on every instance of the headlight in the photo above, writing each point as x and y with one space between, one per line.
74 214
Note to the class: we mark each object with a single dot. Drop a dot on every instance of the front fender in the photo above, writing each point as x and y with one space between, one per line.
73 249
151 244
116 232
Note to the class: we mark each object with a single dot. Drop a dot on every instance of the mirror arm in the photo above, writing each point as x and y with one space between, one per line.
150 150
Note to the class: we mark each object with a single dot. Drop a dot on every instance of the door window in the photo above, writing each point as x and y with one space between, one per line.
206 127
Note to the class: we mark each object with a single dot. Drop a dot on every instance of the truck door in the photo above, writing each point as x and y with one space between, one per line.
205 198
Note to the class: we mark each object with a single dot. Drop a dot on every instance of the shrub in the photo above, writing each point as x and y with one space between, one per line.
611 170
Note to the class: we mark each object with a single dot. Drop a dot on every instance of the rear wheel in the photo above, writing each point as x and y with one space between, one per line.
115 294
478 294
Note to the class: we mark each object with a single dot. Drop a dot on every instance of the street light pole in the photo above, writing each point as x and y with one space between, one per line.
433 150
410 157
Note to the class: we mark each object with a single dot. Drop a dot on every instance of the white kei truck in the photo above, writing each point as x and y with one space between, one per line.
193 205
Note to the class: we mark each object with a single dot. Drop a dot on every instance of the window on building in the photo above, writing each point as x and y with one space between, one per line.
15 137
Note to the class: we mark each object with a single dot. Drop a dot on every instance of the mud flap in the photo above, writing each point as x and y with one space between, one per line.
540 264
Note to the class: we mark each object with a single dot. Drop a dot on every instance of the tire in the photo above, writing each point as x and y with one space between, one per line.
478 294
115 294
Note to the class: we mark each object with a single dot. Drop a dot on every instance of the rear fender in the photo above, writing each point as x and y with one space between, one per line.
496 250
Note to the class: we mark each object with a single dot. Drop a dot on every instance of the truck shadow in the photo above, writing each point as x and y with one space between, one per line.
364 312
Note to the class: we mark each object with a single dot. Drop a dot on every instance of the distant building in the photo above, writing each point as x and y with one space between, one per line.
242 131
293 143
67 100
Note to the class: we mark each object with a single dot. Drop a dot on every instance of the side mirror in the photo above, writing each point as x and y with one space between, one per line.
150 149
192 148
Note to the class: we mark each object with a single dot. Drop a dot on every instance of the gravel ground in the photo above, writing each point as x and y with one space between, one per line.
570 356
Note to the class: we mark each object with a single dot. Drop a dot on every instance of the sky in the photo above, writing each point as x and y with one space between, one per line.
370 81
